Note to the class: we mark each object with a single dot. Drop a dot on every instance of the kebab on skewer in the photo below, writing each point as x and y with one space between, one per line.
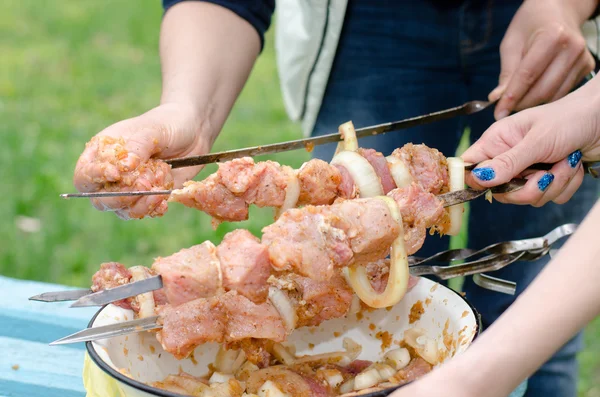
227 194
303 271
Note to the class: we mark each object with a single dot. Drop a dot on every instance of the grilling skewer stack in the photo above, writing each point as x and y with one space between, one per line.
356 210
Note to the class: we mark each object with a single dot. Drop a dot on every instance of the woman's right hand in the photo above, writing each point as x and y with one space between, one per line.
126 156
563 133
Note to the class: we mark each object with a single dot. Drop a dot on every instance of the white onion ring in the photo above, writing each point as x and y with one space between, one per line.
145 300
456 172
292 192
284 306
350 142
362 172
397 284
400 172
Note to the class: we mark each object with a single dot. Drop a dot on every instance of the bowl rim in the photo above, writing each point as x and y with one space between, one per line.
153 391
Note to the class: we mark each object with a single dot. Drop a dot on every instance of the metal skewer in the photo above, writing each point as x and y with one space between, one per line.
453 198
149 323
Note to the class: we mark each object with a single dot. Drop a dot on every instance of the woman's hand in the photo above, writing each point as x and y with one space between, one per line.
563 132
543 54
124 157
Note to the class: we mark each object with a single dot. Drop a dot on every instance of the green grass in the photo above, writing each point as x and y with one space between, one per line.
70 68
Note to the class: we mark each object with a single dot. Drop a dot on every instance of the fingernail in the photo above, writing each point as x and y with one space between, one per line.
574 158
545 181
484 174
502 114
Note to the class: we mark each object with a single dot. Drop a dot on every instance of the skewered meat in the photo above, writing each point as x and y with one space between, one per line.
314 241
111 275
190 273
106 165
427 166
245 265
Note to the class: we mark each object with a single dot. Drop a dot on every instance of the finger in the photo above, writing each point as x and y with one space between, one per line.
500 137
584 65
510 56
549 82
502 168
563 173
532 192
531 67
571 188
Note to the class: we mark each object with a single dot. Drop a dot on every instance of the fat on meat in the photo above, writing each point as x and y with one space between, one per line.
381 167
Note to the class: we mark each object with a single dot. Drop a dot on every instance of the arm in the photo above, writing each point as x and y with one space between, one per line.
207 52
559 302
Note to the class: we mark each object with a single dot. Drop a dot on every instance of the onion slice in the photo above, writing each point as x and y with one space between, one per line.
400 172
350 142
146 300
456 171
362 172
397 284
292 192
284 306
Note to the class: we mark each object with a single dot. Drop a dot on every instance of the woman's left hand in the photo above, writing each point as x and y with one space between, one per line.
543 54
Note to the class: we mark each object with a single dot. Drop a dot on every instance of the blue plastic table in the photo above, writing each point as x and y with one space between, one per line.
28 366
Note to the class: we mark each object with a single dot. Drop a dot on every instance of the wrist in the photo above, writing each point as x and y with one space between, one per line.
582 10
198 119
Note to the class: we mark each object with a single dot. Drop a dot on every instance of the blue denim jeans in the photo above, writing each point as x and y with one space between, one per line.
405 58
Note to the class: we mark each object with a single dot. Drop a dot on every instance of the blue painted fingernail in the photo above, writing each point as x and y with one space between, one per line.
574 158
545 181
484 174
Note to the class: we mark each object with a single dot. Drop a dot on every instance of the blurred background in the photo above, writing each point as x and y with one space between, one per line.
70 68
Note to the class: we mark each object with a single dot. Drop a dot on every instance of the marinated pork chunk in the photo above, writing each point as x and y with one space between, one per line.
245 265
212 197
314 241
420 210
191 273
319 182
106 165
111 275
225 318
321 301
427 166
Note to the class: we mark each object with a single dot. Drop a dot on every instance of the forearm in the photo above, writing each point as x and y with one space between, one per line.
560 302
207 53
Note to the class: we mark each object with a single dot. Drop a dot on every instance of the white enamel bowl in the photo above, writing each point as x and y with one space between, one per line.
447 317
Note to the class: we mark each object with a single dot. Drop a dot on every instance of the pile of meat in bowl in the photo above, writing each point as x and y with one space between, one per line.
367 352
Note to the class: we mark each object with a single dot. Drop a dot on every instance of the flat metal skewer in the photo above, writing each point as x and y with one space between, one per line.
453 198
150 323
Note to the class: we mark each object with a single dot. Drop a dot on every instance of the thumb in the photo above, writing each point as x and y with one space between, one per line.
503 167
